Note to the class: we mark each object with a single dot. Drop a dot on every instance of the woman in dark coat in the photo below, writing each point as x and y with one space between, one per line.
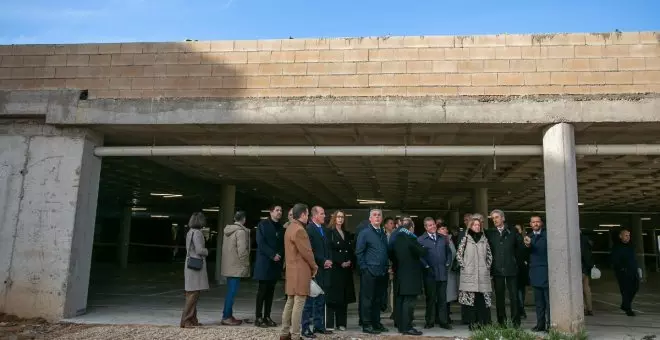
523 275
341 274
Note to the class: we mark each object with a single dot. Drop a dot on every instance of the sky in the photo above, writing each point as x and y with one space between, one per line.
66 21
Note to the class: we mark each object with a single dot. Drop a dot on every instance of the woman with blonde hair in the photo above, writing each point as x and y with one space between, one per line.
475 258
196 278
342 292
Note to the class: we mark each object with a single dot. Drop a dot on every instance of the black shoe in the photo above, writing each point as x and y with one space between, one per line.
539 329
630 313
589 313
370 330
308 334
428 326
382 329
322 331
259 322
446 326
269 322
412 331
523 316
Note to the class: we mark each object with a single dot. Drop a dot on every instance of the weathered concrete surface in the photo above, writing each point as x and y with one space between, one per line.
35 103
48 194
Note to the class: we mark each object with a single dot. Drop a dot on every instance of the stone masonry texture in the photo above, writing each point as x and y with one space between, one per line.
585 63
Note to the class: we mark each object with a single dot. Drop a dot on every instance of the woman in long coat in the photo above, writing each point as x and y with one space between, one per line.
195 280
452 274
341 275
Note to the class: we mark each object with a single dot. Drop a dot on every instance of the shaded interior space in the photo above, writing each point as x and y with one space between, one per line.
138 278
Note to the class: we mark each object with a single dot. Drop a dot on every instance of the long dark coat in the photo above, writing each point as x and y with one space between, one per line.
341 279
270 241
322 252
506 248
407 254
538 260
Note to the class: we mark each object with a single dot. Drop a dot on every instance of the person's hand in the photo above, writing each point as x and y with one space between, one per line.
528 241
348 264
277 258
389 270
327 264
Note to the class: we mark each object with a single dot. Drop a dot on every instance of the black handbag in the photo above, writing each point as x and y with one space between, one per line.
193 262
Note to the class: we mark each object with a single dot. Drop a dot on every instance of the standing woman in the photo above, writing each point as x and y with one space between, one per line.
196 280
475 288
341 274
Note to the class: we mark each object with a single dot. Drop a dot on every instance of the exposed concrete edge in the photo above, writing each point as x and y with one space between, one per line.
36 127
38 103
366 110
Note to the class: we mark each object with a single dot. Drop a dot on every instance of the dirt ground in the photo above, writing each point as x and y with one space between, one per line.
13 328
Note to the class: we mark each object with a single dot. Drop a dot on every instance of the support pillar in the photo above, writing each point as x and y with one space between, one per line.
225 216
48 191
454 219
637 235
563 229
124 237
480 202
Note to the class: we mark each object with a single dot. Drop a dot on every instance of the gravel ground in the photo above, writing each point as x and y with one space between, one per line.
12 328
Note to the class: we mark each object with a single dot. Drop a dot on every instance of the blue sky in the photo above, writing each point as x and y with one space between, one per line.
66 21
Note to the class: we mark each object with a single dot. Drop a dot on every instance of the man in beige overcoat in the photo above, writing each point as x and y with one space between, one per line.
235 263
301 268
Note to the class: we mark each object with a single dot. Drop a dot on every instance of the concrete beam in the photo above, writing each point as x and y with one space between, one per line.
55 104
364 110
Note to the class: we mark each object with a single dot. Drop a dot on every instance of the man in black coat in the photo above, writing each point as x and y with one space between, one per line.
626 270
269 264
313 317
506 246
436 263
406 255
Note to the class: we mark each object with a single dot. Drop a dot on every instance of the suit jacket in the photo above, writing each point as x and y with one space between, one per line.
538 260
506 249
300 262
319 239
371 251
270 241
407 254
438 256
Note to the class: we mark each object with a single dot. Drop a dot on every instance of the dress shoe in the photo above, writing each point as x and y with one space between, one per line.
260 322
231 322
285 337
370 330
630 313
589 313
322 331
341 328
445 326
539 329
269 322
381 329
412 331
308 334
428 326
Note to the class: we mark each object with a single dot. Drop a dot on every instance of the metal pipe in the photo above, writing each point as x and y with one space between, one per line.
369 150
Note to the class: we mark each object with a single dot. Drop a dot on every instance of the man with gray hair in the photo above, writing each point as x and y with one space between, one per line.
507 247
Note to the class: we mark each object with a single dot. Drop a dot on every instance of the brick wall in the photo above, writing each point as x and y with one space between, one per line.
394 66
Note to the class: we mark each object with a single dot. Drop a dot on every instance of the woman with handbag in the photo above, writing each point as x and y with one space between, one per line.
196 278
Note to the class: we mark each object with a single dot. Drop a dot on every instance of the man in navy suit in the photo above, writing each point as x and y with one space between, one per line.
537 243
313 318
269 264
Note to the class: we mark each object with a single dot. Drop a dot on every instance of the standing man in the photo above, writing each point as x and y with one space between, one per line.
407 256
388 298
302 268
269 264
537 243
436 263
506 245
626 270
372 257
315 306
587 264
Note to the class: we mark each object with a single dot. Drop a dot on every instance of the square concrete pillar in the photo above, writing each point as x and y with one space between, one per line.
49 181
225 216
563 228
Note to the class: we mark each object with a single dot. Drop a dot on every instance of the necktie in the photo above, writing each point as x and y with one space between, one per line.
433 238
321 231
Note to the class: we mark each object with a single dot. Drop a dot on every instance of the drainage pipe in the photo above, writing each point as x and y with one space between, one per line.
369 150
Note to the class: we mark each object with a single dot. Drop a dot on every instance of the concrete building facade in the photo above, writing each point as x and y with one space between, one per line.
59 102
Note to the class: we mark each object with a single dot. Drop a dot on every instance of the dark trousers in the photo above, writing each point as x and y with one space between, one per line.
371 295
436 302
314 313
406 312
542 301
265 294
477 314
503 285
522 291
337 315
628 286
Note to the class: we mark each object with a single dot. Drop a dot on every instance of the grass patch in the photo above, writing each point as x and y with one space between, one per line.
508 332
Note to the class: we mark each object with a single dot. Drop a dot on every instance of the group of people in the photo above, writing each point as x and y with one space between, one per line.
395 266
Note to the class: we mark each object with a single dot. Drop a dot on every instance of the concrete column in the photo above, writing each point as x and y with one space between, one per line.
638 240
480 202
48 190
124 237
454 219
225 216
561 205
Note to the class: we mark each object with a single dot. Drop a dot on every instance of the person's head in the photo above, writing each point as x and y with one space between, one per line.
466 219
519 229
624 235
300 213
338 219
439 221
536 222
318 215
275 212
388 224
497 216
397 222
240 217
475 225
430 226
481 219
290 215
410 226
443 230
375 217
197 221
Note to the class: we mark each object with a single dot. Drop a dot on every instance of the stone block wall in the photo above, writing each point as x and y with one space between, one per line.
590 63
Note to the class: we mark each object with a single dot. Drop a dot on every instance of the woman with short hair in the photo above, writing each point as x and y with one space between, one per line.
196 279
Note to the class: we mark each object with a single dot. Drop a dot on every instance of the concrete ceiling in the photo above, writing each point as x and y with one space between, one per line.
626 183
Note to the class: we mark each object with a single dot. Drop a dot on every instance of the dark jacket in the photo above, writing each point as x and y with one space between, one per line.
523 268
438 256
320 241
371 251
506 249
407 254
341 279
270 241
538 260
624 261
586 255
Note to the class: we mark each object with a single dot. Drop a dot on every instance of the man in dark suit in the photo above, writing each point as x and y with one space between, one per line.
268 265
626 270
436 263
313 319
537 243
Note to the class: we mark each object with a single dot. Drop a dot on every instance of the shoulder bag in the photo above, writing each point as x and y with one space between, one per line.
193 262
